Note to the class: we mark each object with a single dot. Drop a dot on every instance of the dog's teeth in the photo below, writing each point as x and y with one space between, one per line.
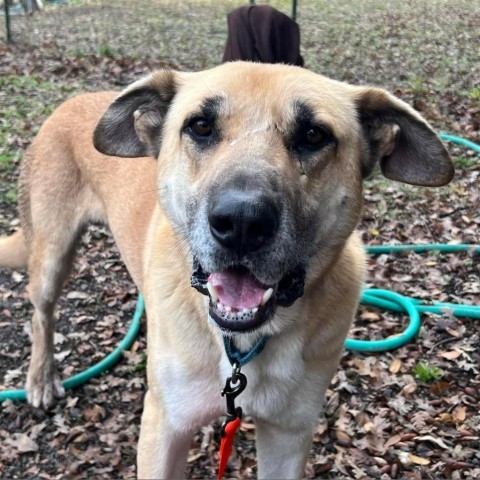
220 305
255 310
228 308
267 295
246 310
212 291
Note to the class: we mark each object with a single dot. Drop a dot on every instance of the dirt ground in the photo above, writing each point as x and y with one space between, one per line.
412 413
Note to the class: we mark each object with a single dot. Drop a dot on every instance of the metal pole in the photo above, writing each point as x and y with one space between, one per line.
7 21
294 10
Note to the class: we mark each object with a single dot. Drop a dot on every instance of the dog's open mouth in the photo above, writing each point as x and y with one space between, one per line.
239 302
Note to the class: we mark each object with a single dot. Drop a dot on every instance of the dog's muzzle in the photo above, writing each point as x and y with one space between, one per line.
239 302
243 222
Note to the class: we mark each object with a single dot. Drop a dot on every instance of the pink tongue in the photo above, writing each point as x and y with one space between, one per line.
237 289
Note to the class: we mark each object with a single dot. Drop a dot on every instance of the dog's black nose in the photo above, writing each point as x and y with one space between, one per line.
242 220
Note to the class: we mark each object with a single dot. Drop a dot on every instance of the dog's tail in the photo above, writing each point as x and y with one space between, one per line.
13 251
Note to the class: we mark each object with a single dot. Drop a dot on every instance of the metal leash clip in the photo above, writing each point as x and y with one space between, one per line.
234 386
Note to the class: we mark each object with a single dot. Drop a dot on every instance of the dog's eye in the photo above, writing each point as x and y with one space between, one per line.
201 127
314 136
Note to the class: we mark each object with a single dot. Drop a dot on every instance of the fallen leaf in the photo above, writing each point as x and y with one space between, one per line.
193 457
23 443
440 388
395 366
94 414
247 426
343 439
370 316
61 356
17 277
392 441
451 355
459 413
77 295
59 338
59 421
418 460
13 375
430 438
36 429
369 426
420 419
446 418
452 332
409 388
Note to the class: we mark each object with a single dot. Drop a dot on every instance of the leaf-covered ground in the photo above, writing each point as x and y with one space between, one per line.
412 413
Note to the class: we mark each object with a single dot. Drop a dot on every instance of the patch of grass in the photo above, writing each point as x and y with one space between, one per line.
466 162
7 162
76 53
106 50
474 94
27 101
11 195
419 86
142 365
426 373
25 81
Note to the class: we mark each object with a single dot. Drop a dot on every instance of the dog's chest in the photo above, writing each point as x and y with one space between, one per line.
275 379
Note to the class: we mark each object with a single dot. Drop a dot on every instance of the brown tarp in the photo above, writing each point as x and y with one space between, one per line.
261 33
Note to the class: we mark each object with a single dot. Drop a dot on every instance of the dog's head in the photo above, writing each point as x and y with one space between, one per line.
260 169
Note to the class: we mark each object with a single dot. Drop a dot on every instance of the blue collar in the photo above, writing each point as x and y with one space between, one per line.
235 356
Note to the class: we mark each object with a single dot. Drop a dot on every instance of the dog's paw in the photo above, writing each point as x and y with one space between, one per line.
42 390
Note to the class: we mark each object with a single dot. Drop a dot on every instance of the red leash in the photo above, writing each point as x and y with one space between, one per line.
227 444
234 416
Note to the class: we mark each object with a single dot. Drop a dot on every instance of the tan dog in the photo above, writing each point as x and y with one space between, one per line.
254 198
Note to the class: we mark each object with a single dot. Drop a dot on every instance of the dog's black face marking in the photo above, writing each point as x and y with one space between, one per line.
199 277
308 135
291 286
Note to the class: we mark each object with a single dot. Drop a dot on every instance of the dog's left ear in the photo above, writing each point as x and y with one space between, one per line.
401 140
132 125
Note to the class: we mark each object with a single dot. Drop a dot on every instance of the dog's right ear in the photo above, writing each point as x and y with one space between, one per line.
132 125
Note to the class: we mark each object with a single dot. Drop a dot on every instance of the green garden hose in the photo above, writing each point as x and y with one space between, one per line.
460 141
399 303
103 365
414 307
374 297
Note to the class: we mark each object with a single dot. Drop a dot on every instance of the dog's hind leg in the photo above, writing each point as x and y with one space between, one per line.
51 257
55 205
50 261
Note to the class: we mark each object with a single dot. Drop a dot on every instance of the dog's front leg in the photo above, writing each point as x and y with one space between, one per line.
282 453
162 449
284 436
